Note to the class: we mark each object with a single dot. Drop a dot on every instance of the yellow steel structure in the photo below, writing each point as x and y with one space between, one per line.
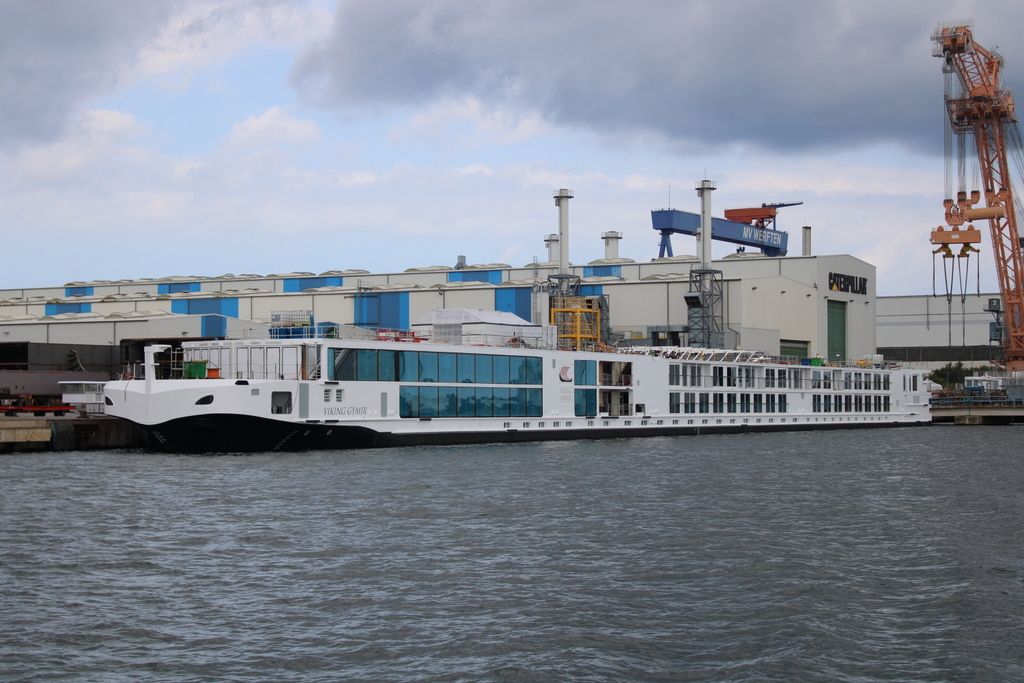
578 321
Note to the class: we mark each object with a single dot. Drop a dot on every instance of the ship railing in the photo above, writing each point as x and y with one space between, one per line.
977 401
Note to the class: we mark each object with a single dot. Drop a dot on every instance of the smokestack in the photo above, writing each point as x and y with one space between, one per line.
562 198
611 244
807 240
704 190
551 242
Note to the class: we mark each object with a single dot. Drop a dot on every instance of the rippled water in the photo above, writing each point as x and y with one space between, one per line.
889 555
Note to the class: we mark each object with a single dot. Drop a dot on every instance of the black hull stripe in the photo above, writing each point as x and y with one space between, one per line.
245 434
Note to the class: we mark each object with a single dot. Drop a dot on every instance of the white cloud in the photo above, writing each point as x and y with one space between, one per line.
273 127
94 137
470 122
202 32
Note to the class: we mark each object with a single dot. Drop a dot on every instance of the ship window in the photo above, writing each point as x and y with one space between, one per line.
758 403
344 364
501 403
366 365
339 395
446 367
673 402
408 366
586 372
586 402
500 370
717 376
447 401
205 400
327 395
534 371
386 366
106 400
705 404
467 368
408 401
428 400
689 402
484 402
516 370
718 401
428 368
674 373
467 402
281 402
730 403
483 369
254 392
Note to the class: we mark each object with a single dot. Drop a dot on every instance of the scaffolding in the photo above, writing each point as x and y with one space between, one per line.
578 321
704 304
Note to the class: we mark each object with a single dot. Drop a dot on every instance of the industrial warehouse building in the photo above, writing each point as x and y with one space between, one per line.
792 306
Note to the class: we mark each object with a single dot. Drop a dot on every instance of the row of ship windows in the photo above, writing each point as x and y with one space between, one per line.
658 423
470 402
428 366
850 404
691 402
692 375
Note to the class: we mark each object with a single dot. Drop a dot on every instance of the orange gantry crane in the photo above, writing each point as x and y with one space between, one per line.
978 105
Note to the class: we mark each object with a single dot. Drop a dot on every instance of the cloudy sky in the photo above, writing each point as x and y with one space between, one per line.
203 137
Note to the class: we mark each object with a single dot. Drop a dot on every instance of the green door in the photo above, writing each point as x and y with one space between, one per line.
836 331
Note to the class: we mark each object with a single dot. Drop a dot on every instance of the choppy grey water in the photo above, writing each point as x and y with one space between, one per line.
888 555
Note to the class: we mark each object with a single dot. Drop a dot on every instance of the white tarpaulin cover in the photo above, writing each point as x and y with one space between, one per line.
476 326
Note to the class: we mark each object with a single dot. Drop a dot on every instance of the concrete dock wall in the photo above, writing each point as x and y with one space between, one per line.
28 434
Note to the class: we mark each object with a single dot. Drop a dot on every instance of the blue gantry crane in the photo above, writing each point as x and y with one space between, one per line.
753 227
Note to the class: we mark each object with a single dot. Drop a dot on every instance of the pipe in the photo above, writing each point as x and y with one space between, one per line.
807 240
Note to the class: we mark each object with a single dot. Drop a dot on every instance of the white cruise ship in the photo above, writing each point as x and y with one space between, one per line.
294 393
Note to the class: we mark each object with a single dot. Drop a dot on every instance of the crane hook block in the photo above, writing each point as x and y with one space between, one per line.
968 235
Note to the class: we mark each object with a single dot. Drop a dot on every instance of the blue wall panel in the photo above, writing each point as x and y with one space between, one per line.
228 307
389 310
394 310
602 271
175 287
493 276
591 290
57 309
301 284
214 326
367 310
516 300
78 291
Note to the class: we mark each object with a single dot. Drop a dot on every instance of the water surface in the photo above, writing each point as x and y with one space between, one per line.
870 555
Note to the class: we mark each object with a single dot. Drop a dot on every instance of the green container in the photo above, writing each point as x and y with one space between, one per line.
817 361
194 369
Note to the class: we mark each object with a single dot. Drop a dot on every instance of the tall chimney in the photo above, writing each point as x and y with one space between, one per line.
611 243
704 189
807 240
551 242
562 198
